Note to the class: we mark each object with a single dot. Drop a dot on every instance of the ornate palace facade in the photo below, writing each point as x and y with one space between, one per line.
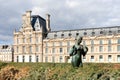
6 53
35 42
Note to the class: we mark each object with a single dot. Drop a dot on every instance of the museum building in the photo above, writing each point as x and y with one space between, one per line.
6 53
35 42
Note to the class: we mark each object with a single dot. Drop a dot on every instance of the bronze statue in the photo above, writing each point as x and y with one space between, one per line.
77 51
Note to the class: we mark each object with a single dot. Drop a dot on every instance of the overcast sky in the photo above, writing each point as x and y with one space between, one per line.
65 14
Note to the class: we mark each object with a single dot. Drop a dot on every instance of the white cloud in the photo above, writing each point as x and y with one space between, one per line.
72 3
65 14
5 37
112 22
38 10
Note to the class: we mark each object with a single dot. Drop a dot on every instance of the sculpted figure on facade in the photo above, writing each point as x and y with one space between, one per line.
77 51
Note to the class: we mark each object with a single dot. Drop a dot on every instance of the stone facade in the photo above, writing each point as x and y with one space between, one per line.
6 53
35 42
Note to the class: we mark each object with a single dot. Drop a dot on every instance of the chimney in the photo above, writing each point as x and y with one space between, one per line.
48 22
28 17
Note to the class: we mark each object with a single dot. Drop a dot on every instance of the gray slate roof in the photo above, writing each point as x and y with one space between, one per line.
84 32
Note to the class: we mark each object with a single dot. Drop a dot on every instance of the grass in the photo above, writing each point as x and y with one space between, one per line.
64 71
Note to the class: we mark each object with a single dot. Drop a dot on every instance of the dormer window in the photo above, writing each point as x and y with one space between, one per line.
55 35
110 32
62 35
85 33
118 31
77 34
101 32
69 34
93 33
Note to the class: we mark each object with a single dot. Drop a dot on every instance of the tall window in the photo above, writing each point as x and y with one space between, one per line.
118 58
30 38
17 49
23 40
53 44
118 46
61 50
17 41
46 44
37 40
37 48
61 58
100 42
37 58
118 41
109 42
92 46
46 59
46 50
68 49
109 45
53 50
101 46
109 58
30 49
53 59
60 43
92 58
17 58
101 58
68 46
68 43
30 58
92 42
23 49
109 48
23 58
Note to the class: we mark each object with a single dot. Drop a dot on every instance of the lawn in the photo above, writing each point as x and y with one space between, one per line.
59 71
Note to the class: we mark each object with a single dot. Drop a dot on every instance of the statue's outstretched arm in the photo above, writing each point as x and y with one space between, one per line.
85 49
